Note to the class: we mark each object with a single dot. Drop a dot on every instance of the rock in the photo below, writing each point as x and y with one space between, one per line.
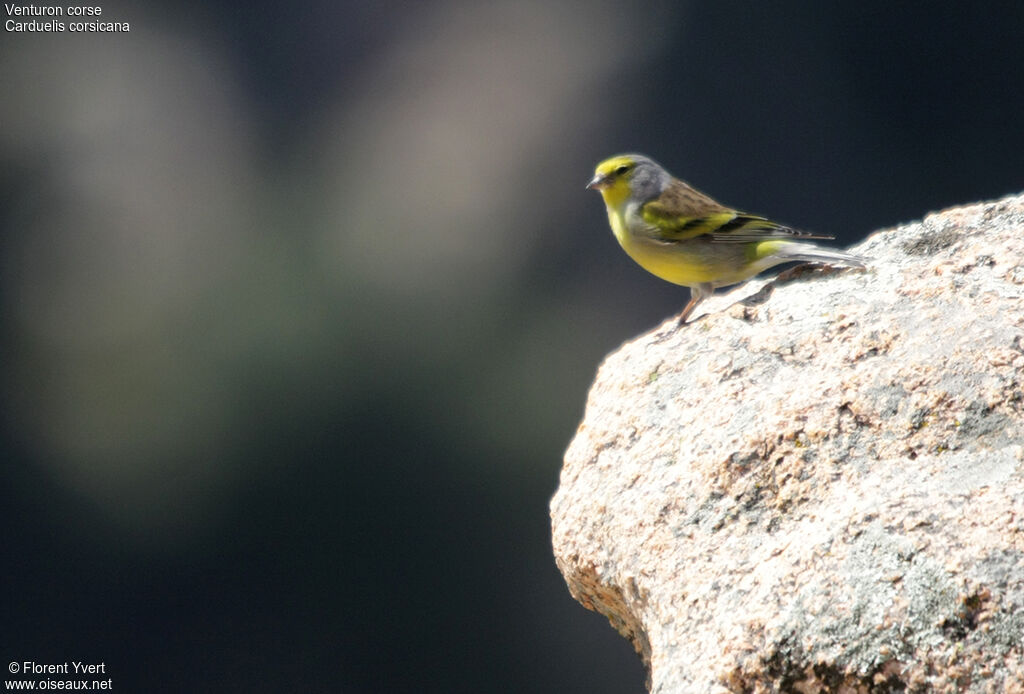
820 487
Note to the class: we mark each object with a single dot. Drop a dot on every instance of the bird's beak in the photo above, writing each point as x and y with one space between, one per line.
598 182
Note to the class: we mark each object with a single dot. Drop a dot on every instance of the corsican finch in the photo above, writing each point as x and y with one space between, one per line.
683 236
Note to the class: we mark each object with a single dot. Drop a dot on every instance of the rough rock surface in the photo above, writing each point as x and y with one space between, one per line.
819 488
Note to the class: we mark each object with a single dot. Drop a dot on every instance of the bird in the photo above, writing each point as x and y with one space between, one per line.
685 237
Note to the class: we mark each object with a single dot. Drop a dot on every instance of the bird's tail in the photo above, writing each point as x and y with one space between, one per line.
810 253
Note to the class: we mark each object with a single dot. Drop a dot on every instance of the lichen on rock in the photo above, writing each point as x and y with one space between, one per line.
818 485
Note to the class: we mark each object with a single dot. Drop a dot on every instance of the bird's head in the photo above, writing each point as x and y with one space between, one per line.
629 177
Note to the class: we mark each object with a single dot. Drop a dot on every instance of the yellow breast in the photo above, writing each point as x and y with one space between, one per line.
678 263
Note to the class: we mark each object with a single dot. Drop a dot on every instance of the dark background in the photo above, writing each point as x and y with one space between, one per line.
301 302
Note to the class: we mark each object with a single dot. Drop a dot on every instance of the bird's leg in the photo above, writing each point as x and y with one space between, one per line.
698 293
687 309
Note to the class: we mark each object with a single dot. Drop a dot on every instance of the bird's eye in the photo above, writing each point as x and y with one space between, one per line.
622 170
